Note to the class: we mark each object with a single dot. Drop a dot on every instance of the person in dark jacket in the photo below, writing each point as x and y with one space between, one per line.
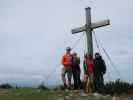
99 71
76 71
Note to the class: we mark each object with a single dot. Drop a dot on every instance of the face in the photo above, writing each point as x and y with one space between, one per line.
97 56
87 55
68 51
74 55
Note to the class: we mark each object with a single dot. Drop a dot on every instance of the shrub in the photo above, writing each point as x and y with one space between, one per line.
59 87
42 87
117 87
5 86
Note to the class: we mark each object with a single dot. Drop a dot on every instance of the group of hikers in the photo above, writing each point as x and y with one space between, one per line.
94 69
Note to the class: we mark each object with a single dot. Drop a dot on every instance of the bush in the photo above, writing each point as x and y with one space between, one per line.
42 87
117 87
5 86
59 87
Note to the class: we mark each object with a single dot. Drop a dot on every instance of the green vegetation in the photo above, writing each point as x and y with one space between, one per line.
38 94
42 87
43 93
117 87
27 94
5 86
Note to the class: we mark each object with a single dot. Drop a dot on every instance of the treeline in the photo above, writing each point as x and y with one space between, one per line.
5 86
9 86
117 87
112 87
43 87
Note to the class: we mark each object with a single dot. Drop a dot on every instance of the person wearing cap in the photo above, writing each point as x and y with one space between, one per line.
76 71
99 71
67 68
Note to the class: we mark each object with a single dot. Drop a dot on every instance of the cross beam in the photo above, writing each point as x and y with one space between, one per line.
88 27
92 26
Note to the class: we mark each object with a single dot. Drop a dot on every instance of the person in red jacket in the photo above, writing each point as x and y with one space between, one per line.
89 73
67 67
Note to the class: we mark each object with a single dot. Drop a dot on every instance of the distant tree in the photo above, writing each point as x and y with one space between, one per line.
117 87
16 86
43 87
59 87
5 86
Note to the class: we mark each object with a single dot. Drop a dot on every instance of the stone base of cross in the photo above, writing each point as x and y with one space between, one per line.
88 27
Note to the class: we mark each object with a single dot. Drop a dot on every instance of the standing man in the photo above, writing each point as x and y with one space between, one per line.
99 71
76 71
67 68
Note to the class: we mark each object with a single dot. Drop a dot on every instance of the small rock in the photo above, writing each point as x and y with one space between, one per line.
66 90
96 94
71 95
61 98
83 94
67 98
115 98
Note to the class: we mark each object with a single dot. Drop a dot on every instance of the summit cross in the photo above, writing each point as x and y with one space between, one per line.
88 28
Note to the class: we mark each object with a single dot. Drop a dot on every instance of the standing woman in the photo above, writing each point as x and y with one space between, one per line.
76 71
89 77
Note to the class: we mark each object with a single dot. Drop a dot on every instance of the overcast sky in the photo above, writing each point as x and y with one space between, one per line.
35 33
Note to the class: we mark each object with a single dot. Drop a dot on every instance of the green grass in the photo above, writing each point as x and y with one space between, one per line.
27 94
35 94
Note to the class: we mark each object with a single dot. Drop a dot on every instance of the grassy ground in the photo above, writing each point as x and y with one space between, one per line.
35 94
27 94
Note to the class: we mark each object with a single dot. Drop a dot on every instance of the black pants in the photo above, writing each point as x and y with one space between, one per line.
99 82
76 78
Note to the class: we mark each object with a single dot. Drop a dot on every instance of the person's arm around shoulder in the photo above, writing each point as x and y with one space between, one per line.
63 60
78 59
104 67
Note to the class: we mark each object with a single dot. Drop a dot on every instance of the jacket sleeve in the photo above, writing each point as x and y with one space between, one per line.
94 67
104 67
85 67
63 60
78 60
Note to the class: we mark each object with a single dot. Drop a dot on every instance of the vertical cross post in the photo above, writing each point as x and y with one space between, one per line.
89 31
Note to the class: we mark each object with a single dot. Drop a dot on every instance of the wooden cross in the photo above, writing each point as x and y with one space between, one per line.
88 28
